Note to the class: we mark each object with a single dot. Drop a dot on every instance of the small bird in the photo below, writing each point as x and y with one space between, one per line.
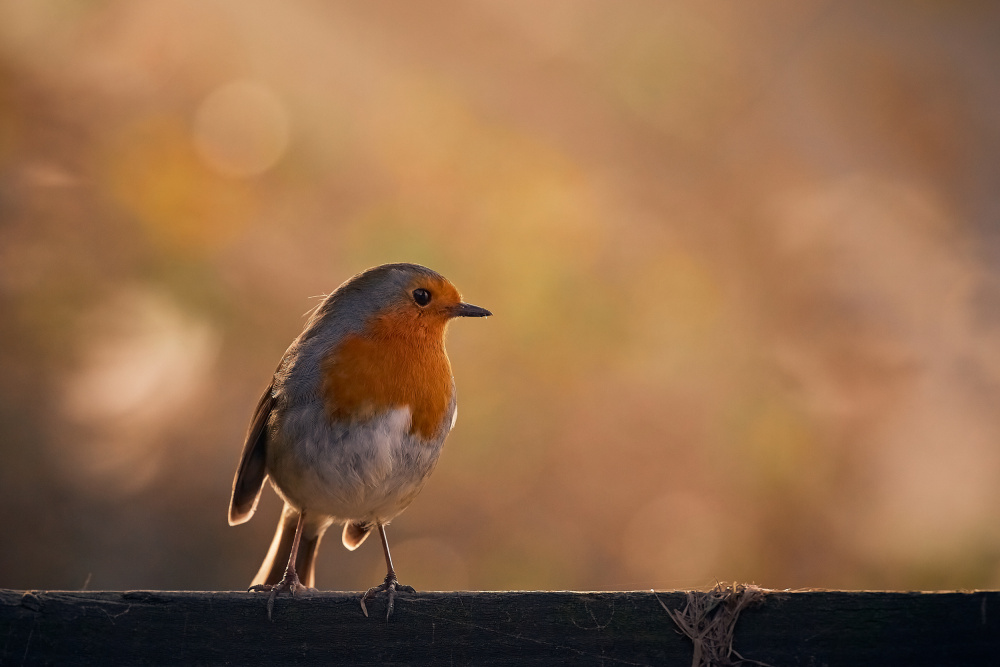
353 421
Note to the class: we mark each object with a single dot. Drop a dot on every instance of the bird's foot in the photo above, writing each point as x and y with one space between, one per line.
289 583
390 587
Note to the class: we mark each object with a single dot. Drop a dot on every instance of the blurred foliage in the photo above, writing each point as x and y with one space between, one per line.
743 259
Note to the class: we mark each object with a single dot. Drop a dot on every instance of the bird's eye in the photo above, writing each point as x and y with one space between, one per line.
421 296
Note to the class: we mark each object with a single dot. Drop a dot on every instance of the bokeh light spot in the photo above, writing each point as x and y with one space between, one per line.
142 360
241 129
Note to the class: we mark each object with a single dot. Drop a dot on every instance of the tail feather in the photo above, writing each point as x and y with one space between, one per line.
273 568
355 534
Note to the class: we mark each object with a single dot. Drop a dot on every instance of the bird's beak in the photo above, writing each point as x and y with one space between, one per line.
468 310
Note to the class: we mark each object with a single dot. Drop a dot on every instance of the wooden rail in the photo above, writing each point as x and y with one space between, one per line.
504 628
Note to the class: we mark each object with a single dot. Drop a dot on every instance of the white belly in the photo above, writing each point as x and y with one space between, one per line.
363 472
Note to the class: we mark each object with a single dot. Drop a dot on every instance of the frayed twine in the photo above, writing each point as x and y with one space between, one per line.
709 620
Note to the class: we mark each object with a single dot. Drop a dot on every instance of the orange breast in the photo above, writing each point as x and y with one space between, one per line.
395 363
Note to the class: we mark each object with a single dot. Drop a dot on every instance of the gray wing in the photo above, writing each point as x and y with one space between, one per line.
252 472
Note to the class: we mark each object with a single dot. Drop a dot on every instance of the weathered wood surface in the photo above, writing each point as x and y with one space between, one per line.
514 628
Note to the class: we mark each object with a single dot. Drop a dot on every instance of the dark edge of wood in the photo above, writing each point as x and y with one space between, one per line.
513 628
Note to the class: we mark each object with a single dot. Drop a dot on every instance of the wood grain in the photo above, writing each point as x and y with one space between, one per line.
503 628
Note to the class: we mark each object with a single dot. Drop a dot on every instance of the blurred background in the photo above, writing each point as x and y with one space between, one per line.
744 259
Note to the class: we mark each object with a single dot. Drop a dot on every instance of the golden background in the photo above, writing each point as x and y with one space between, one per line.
743 257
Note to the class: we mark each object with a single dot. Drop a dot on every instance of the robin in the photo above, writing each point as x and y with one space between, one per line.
353 421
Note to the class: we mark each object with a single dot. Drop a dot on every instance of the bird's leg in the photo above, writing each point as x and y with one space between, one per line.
391 585
290 580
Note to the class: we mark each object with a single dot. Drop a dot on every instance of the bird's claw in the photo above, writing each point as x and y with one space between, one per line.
289 583
390 587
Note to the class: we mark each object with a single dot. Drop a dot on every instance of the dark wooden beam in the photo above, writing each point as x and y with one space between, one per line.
505 628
